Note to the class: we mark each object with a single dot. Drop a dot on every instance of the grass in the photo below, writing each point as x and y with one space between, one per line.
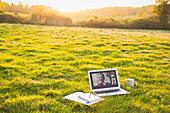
41 64
20 14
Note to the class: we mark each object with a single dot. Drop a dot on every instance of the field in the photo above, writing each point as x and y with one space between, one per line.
41 64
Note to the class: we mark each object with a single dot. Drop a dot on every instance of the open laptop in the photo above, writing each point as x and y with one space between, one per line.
105 82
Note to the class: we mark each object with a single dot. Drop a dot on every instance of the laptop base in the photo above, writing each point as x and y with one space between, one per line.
118 92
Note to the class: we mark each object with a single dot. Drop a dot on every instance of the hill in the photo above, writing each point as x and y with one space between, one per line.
106 12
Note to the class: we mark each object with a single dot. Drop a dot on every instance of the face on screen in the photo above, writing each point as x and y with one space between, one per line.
103 79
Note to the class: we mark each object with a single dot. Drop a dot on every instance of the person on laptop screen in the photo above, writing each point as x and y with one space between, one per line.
104 79
101 79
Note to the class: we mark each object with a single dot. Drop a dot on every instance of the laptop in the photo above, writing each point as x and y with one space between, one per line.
105 82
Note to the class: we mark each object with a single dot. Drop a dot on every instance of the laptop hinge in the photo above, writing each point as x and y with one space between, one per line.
108 91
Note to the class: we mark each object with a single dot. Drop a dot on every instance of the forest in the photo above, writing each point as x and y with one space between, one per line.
146 17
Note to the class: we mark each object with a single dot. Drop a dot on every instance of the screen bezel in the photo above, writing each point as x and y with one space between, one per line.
103 88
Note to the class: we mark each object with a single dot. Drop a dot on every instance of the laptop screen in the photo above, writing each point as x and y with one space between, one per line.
100 79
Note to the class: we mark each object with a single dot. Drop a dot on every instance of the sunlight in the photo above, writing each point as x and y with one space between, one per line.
74 5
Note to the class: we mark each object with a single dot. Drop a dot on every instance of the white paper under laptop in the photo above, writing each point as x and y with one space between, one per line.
105 82
84 98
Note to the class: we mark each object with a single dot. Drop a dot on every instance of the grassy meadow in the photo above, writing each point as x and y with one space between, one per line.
41 64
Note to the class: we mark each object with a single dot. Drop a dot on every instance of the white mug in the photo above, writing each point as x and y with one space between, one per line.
130 82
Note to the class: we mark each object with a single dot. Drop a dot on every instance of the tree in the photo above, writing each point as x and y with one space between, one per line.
4 6
0 5
162 10
27 6
113 14
20 5
95 17
123 14
141 13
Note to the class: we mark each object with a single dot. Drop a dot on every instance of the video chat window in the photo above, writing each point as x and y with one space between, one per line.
103 79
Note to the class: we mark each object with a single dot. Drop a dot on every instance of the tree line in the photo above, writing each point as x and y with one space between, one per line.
146 17
114 12
40 14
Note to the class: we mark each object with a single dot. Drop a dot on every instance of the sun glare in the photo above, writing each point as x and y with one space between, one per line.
74 5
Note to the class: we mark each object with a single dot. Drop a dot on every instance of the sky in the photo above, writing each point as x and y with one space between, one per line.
73 5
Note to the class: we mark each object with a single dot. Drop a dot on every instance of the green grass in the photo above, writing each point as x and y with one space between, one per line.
41 64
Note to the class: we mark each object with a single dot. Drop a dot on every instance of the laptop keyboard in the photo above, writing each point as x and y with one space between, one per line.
107 91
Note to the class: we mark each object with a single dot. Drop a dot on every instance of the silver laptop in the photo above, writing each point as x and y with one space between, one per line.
105 82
